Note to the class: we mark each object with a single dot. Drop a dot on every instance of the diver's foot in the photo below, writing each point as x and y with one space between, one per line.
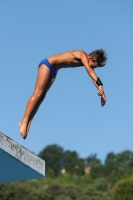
23 129
28 126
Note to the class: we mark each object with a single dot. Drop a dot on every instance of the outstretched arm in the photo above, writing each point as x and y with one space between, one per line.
95 84
91 72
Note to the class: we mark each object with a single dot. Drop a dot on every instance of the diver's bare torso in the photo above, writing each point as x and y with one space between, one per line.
65 60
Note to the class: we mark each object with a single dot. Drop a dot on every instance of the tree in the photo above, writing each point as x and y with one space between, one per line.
53 155
119 165
123 189
125 162
72 163
96 167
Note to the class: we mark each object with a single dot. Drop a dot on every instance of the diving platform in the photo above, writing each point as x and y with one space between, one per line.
17 163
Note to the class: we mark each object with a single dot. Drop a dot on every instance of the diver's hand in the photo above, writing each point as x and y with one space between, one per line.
103 99
101 90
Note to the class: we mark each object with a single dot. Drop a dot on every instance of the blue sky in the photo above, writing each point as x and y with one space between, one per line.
71 115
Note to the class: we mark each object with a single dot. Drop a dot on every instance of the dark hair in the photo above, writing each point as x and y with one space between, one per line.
99 56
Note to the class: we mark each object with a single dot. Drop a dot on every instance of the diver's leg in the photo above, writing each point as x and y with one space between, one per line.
42 79
47 87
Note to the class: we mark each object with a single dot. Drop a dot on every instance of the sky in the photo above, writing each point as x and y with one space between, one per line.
71 115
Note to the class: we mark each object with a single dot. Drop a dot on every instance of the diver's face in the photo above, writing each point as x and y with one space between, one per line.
93 63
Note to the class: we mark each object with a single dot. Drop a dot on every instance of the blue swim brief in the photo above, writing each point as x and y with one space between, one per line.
53 72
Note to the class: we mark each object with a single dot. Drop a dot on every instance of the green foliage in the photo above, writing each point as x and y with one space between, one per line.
100 184
81 181
86 197
57 159
50 173
73 191
55 188
96 166
24 190
52 154
40 190
72 163
123 190
93 194
74 184
66 178
92 160
62 197
120 165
